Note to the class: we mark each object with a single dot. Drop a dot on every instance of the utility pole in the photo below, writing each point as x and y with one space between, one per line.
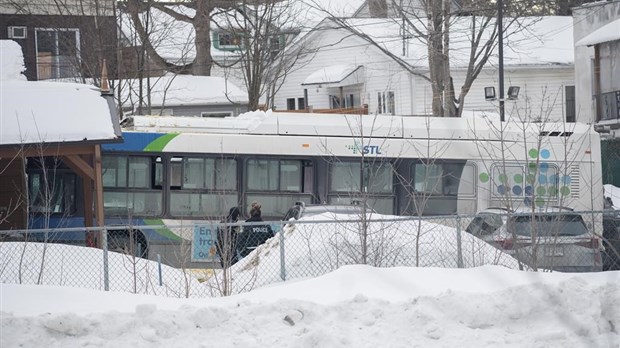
500 10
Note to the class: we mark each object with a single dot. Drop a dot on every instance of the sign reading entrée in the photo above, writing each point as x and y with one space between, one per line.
203 243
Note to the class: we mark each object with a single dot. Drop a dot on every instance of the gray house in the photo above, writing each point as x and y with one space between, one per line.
182 95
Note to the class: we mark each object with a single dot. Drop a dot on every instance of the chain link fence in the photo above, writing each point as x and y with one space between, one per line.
191 266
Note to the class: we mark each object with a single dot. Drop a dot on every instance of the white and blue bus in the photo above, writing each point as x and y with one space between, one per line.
179 170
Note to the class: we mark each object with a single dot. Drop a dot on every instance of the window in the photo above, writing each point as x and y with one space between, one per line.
275 42
57 53
427 178
385 103
17 32
132 185
290 104
228 40
202 186
207 173
278 184
51 192
610 105
347 176
123 171
274 175
334 102
349 101
301 103
569 92
444 179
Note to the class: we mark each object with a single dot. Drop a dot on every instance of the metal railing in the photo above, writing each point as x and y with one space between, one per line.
192 267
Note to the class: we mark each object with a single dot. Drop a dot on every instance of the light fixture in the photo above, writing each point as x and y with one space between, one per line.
489 93
513 92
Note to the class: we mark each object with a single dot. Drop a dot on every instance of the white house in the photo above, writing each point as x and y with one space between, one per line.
347 71
597 65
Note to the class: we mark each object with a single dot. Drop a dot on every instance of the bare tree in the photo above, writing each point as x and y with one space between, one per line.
435 23
71 38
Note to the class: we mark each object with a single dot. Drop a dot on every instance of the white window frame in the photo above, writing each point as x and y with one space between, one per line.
12 29
36 46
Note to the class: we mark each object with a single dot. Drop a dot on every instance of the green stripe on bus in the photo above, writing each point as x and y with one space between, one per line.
159 143
162 231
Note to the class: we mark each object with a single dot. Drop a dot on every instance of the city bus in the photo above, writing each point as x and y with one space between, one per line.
172 170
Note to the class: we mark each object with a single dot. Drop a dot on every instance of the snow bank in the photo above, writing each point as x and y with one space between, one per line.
11 61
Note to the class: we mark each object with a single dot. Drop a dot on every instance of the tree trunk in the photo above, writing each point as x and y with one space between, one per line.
203 61
436 62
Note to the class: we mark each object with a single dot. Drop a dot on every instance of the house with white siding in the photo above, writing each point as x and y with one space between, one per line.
346 71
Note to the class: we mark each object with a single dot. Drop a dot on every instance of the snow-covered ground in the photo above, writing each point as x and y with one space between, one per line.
327 305
354 306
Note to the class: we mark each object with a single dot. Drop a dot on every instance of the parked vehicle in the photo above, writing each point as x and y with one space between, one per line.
557 239
300 209
611 240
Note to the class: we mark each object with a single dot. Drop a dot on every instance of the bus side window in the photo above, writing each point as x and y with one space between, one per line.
176 172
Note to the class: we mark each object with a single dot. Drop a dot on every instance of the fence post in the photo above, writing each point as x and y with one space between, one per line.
282 264
104 246
459 248
159 269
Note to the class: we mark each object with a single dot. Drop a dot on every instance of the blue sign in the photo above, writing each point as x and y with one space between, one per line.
203 243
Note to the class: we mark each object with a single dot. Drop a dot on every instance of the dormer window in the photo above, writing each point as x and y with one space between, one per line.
228 40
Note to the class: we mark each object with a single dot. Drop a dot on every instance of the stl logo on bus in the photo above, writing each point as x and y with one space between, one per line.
365 149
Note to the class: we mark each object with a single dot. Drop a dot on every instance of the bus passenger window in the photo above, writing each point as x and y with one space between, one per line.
176 172
139 175
290 176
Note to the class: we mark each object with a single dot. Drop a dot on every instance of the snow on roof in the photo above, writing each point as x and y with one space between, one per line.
12 62
341 125
175 90
51 112
35 112
331 74
242 123
606 33
533 41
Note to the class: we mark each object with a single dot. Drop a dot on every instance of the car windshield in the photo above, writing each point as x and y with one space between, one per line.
549 225
484 224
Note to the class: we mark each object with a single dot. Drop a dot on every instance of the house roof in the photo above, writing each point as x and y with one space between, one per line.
177 90
535 40
606 33
50 112
333 75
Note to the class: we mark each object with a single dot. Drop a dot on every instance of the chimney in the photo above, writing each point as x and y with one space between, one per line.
105 84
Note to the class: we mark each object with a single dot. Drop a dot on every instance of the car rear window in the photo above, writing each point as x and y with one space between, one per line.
549 225
484 224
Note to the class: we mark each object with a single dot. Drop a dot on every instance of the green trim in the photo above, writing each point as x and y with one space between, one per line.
158 144
162 231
